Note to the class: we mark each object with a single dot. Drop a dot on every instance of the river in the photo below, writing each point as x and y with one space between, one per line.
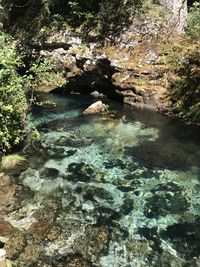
116 189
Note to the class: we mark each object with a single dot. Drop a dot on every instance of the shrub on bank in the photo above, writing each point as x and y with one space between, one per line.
13 104
185 93
194 21
14 87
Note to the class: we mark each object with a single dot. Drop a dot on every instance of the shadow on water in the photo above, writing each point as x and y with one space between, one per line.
177 147
184 236
165 154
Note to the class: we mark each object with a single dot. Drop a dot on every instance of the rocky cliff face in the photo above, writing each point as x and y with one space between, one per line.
130 71
109 76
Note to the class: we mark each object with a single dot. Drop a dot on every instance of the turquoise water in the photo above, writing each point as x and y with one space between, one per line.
123 187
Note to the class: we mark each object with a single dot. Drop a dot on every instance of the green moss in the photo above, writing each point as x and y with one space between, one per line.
11 161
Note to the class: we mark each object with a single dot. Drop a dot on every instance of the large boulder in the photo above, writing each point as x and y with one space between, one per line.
96 107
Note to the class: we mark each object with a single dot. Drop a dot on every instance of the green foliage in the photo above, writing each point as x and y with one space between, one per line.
185 93
114 13
13 103
155 11
13 88
37 72
41 74
194 21
36 134
58 23
103 14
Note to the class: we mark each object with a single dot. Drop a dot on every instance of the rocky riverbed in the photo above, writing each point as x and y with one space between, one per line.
120 188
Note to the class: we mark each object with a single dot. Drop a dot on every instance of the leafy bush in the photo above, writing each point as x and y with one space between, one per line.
194 21
13 104
105 14
185 93
114 13
37 73
13 88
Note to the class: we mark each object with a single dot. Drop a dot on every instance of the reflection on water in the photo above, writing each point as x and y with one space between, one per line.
109 189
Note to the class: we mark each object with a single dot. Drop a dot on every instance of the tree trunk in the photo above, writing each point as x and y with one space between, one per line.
178 9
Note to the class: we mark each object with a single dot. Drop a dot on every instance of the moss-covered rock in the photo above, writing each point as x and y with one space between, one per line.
11 162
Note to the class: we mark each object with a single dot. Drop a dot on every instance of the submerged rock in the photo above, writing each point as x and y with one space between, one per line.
6 231
15 245
31 255
40 229
96 107
49 173
54 233
93 243
140 248
13 164
195 262
168 259
166 199
185 238
75 261
80 172
10 198
4 179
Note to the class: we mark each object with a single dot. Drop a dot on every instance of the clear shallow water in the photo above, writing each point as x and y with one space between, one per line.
121 189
